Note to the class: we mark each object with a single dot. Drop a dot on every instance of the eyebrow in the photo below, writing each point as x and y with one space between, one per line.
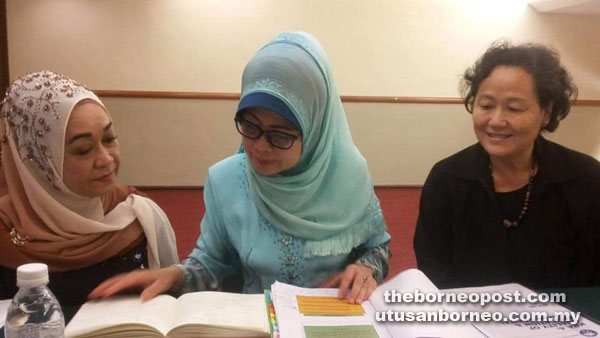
88 135
485 97
282 127
275 126
509 99
518 100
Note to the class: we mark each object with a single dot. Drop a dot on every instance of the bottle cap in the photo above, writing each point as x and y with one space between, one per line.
32 275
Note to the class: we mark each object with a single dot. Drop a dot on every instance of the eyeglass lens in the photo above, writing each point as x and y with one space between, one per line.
275 138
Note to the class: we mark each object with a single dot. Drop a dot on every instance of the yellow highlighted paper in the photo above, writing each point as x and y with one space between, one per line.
327 306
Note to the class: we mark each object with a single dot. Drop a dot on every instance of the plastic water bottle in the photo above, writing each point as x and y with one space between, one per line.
34 311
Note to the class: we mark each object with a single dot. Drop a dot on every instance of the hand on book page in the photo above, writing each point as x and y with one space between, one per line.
153 282
357 278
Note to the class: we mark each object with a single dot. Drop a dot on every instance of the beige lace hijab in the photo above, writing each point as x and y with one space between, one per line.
41 220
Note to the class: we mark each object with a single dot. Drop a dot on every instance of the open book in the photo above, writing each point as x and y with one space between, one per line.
198 314
385 317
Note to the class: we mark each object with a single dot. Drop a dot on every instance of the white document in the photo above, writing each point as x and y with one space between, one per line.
407 282
582 327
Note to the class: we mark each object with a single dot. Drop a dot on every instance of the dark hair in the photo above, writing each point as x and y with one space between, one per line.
553 85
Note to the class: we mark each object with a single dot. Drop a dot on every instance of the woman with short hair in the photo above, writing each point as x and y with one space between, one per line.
514 207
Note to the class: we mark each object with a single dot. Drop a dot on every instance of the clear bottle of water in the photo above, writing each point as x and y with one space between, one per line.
34 311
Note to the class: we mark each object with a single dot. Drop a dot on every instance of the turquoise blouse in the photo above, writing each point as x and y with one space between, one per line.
235 236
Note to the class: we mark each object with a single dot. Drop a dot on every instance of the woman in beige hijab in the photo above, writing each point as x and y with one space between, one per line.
59 201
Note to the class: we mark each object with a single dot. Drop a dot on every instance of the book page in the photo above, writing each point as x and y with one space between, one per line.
127 309
575 326
4 304
233 310
406 281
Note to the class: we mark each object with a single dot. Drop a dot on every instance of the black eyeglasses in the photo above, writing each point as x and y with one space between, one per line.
277 139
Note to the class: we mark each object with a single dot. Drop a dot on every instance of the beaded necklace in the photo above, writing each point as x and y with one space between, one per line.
510 224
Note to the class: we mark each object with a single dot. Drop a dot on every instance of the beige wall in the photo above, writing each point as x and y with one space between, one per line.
381 48
174 141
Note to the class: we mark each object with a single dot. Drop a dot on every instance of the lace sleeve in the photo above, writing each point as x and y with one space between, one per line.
196 277
376 258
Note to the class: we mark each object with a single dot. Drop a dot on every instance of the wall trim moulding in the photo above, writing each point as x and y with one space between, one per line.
345 98
586 7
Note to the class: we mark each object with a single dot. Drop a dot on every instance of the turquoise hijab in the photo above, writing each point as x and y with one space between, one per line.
327 198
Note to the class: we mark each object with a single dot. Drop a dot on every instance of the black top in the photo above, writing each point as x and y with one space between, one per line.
511 203
460 239
72 287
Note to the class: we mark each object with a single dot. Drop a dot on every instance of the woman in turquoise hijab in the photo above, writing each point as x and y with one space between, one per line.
296 204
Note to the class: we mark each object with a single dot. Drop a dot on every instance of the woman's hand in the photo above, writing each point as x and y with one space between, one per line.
361 279
152 281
